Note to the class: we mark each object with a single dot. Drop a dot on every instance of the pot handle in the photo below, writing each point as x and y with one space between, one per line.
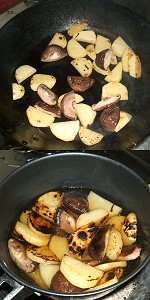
18 291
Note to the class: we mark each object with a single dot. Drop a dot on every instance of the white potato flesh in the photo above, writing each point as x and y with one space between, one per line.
91 51
102 43
24 72
59 39
95 217
114 60
116 222
38 79
77 27
115 88
135 68
86 36
78 273
89 137
129 229
85 114
18 91
65 131
99 70
25 216
119 46
98 202
127 54
125 118
42 255
75 50
78 98
38 118
36 276
103 285
112 265
59 246
115 244
115 74
83 66
47 273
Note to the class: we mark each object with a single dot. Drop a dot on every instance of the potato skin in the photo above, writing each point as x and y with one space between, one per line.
61 284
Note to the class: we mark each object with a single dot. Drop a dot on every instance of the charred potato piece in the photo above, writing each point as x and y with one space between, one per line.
85 36
18 91
89 137
129 229
92 218
115 244
58 39
83 66
77 27
42 255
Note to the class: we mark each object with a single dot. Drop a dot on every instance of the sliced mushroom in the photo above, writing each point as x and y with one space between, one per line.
53 53
130 252
79 83
65 220
110 117
103 59
52 110
18 254
98 246
76 202
68 106
47 95
106 102
60 284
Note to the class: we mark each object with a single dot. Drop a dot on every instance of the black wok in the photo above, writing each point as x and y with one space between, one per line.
112 179
24 38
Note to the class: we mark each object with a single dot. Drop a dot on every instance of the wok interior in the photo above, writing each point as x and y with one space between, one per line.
114 181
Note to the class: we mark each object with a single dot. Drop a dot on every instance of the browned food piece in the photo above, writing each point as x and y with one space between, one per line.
17 236
98 246
18 254
68 106
53 53
103 59
106 102
65 220
110 117
47 95
109 275
130 252
76 202
60 284
52 110
79 83
39 223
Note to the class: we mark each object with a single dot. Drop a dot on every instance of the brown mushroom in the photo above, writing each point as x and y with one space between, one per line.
98 246
65 220
47 95
68 105
52 110
106 102
53 53
76 202
103 59
79 83
130 252
110 117
60 284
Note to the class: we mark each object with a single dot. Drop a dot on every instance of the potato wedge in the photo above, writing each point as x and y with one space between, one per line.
65 131
58 39
36 276
39 224
116 222
86 36
85 114
25 216
78 98
102 43
89 137
42 255
113 89
98 202
135 68
92 218
38 79
24 72
75 50
111 265
77 27
115 244
38 118
47 272
78 273
129 229
114 60
99 70
115 74
127 54
124 120
18 91
119 46
91 51
83 66
59 246
103 285
30 236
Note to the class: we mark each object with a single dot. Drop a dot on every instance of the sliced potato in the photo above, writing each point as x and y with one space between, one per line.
91 51
77 27
25 216
75 50
116 222
41 255
129 229
59 39
30 236
85 114
94 218
99 70
65 131
59 246
135 68
127 54
78 98
86 36
78 273
83 66
115 74
38 79
112 265
124 120
119 46
102 43
89 137
103 285
36 276
18 91
39 224
24 72
47 272
115 88
115 244
98 202
38 118
114 60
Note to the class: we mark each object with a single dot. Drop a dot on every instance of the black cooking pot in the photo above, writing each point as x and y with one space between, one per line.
72 170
